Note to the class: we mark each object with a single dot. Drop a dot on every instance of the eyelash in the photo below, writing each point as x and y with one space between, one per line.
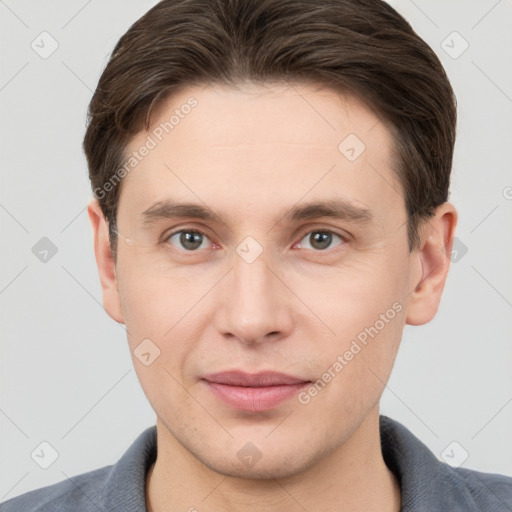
166 238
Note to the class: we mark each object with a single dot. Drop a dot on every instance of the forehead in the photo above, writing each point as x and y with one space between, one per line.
305 115
262 143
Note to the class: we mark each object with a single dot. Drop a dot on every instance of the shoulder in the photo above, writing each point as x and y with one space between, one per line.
429 484
79 493
489 490
120 486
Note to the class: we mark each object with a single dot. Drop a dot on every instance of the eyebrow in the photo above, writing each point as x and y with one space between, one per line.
333 208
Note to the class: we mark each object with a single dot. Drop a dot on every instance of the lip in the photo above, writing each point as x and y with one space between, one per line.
253 392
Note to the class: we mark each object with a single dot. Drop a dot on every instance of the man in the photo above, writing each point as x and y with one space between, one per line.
271 182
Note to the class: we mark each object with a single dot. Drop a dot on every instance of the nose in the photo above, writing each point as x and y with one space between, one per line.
255 305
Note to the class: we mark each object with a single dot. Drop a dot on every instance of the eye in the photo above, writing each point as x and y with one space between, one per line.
188 239
320 240
192 240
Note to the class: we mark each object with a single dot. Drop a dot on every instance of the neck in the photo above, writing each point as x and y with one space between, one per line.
352 478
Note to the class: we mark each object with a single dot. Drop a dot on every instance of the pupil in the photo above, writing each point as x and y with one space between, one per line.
321 240
190 240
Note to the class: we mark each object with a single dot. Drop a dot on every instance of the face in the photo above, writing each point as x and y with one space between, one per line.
301 267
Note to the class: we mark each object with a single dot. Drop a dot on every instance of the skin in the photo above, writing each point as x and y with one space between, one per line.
249 154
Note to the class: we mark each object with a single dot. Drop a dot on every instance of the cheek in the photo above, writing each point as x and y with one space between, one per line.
354 295
353 370
152 298
167 309
365 307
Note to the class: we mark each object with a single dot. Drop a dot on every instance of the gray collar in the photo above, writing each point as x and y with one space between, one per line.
427 484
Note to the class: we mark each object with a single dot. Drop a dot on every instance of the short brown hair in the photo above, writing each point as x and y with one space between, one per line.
361 46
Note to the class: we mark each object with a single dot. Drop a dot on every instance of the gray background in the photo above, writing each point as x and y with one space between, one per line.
66 373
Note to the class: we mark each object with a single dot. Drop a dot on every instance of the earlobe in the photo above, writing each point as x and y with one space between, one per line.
105 262
434 258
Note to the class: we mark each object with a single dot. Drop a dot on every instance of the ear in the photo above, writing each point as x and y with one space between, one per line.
433 258
105 262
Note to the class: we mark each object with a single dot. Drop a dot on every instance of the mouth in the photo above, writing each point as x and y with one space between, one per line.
254 392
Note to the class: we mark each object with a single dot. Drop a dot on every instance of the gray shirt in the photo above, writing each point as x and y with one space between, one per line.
427 484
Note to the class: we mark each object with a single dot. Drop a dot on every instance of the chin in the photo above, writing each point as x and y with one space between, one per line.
268 464
268 470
